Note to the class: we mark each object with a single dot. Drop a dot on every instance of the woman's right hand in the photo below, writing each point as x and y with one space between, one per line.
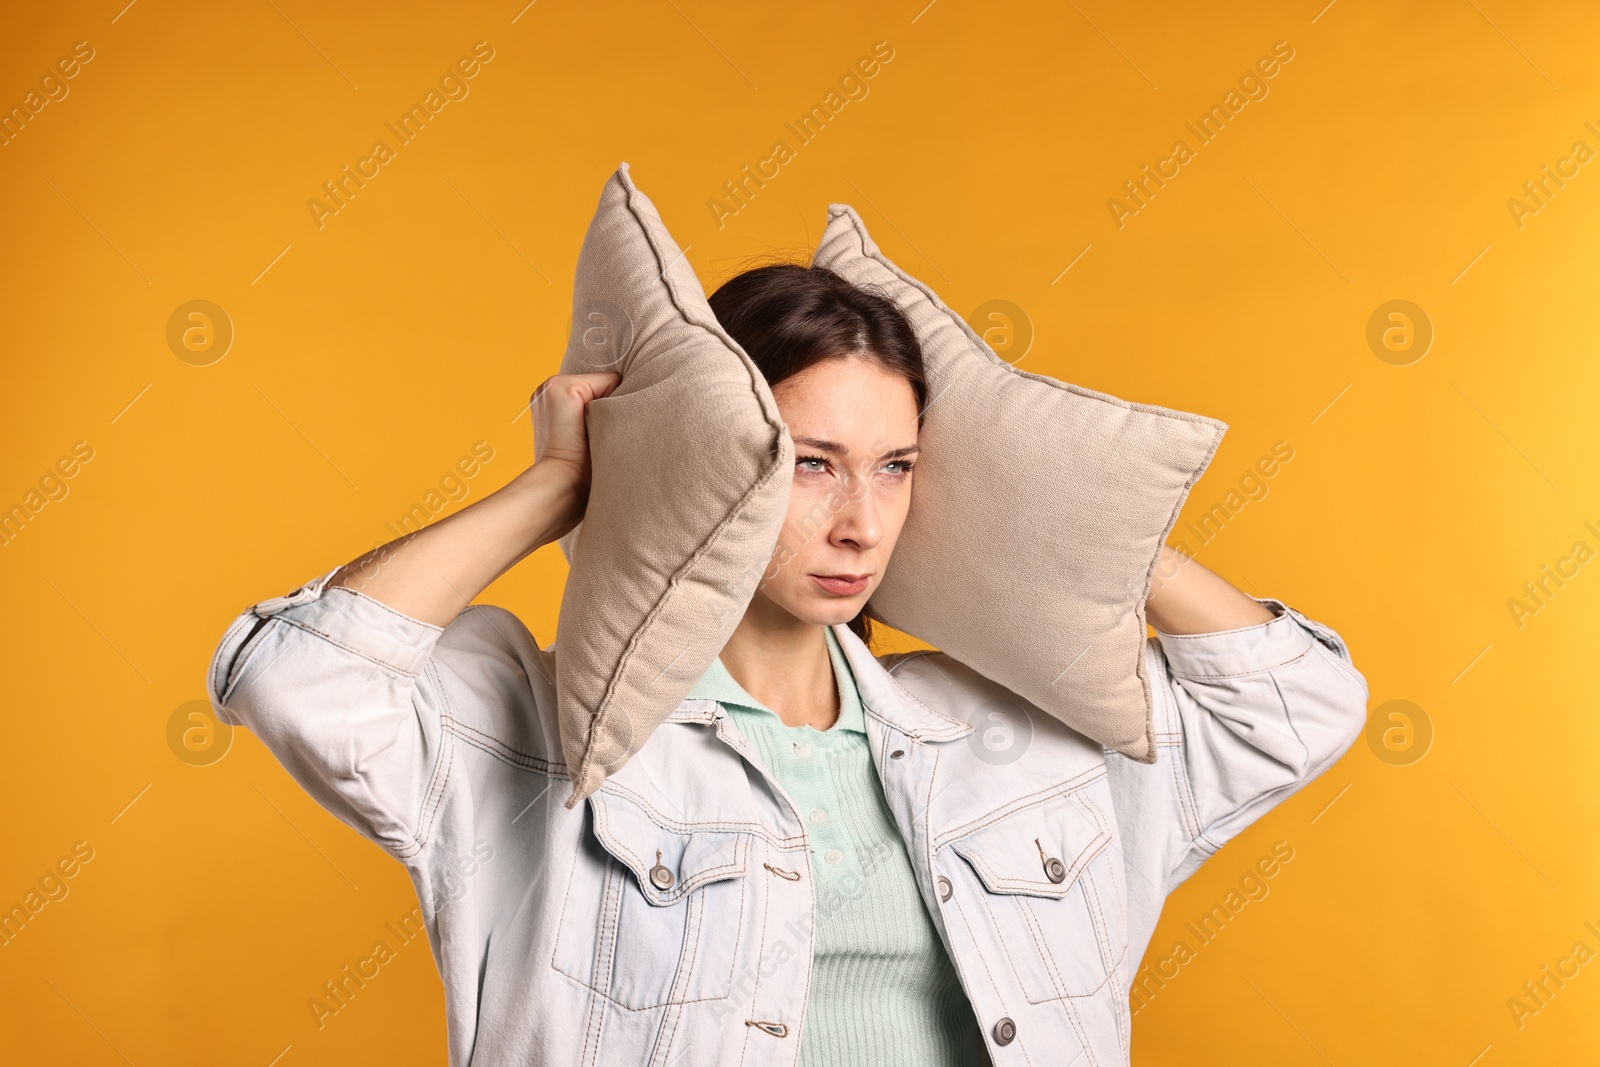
560 433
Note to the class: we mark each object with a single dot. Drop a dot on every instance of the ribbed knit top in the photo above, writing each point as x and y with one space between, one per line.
883 989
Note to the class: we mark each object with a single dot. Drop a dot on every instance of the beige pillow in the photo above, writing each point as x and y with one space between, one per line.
1038 512
691 472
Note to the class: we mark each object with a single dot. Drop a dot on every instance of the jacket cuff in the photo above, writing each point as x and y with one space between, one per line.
355 622
1246 650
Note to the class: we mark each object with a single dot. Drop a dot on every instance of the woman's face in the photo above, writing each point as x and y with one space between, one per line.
854 426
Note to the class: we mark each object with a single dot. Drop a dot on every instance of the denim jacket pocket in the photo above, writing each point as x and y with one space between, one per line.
1049 889
654 909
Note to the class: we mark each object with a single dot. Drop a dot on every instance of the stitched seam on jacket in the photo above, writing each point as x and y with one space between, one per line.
447 754
997 926
1060 985
1093 884
492 746
348 648
1283 706
1178 771
1177 673
229 675
667 822
678 1007
909 695
672 1013
755 990
1077 1027
1146 683
694 912
1102 928
1272 797
615 1003
1348 668
603 956
561 920
976 951
1071 785
906 657
433 797
1023 886
619 878
608 841
1039 946
1178 766
402 616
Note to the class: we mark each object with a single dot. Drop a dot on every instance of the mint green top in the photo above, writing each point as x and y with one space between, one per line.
883 989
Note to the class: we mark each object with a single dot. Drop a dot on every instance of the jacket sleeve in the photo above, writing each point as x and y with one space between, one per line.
327 679
1243 718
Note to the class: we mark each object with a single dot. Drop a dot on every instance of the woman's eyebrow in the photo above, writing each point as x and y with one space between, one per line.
840 450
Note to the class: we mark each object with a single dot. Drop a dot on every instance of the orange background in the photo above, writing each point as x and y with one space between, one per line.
372 353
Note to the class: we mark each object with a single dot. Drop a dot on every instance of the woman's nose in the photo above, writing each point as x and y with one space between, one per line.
857 522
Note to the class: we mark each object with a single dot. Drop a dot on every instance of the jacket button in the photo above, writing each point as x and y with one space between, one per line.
661 878
1005 1032
945 888
1055 869
898 753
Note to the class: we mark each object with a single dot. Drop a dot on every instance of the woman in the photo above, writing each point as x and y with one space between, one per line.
817 858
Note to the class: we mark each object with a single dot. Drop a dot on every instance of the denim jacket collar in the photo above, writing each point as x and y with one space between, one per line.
882 698
888 701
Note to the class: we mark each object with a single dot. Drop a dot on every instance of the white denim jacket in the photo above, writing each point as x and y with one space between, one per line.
668 919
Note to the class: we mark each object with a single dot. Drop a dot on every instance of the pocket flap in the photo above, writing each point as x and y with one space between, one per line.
669 860
1038 851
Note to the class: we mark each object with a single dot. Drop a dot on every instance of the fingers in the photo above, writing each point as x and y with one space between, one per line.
596 384
558 407
604 382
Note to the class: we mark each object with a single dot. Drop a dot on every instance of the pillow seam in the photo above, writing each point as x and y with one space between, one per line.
1208 451
676 582
674 585
940 306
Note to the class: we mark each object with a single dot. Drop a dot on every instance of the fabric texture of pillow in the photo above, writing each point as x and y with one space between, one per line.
1038 513
691 469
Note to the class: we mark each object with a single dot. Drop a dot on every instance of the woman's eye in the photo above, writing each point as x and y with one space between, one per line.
898 468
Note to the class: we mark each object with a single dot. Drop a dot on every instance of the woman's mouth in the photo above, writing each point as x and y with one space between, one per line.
842 584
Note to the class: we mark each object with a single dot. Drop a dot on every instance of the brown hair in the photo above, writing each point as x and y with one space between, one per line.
788 317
